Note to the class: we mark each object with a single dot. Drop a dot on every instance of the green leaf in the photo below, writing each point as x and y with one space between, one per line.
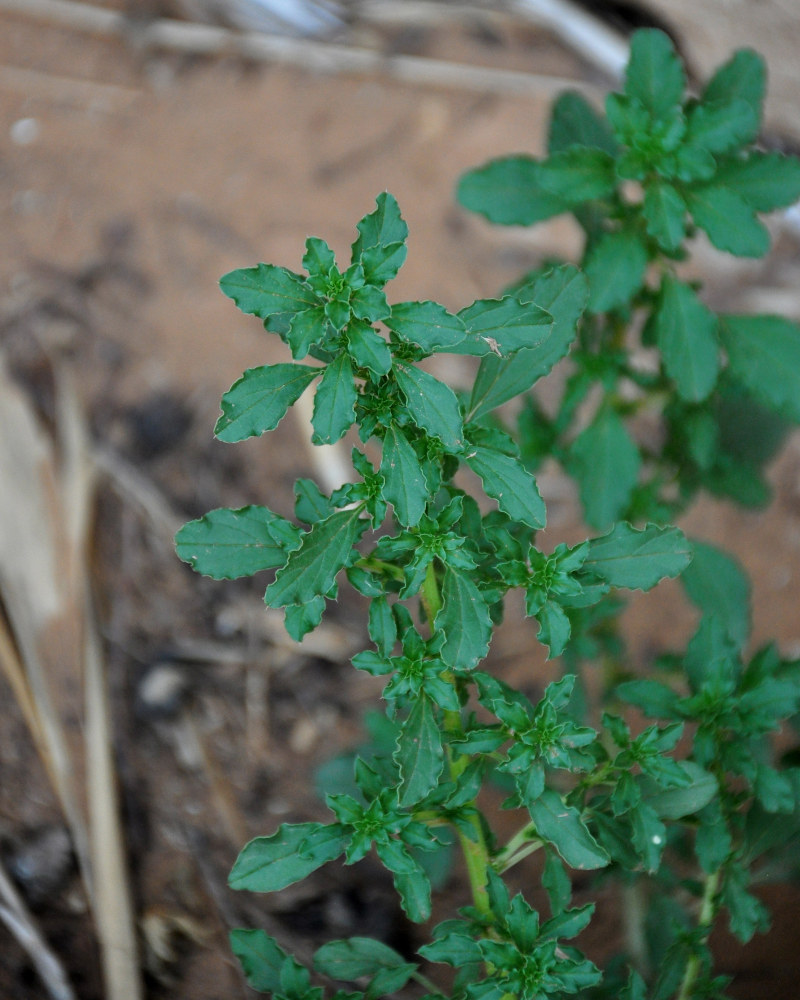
579 174
686 333
265 290
746 913
404 481
606 464
721 126
258 401
368 349
305 330
226 544
300 619
563 293
261 958
311 569
664 211
561 825
382 627
675 803
355 957
718 585
311 504
766 181
464 620
615 267
764 355
654 75
380 246
433 405
654 698
638 558
556 883
728 221
334 402
743 77
426 324
415 895
554 628
419 753
506 480
508 191
268 864
383 227
503 326
574 122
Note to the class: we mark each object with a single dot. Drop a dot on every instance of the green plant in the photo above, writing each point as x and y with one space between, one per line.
680 811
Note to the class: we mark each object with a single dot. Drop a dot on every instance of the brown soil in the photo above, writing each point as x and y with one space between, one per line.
139 182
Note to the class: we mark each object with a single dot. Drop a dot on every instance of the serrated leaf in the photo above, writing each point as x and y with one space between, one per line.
355 957
721 126
746 913
579 174
260 956
419 753
311 569
686 334
764 355
464 621
718 585
266 289
300 619
561 825
664 211
744 77
426 324
502 326
311 504
606 463
258 401
615 267
226 544
382 626
506 480
404 481
306 329
766 181
433 404
556 883
267 864
381 263
728 221
563 293
655 699
415 895
368 349
675 803
574 122
654 75
554 628
508 191
383 227
334 402
638 559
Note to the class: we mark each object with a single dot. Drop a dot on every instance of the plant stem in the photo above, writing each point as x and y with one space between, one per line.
476 853
704 920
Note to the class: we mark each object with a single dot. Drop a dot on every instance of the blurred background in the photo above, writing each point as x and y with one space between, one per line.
154 721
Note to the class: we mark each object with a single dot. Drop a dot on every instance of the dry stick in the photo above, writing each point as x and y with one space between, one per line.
107 97
585 34
21 924
318 57
112 903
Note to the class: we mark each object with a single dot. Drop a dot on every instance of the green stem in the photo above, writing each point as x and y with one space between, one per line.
704 920
476 853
